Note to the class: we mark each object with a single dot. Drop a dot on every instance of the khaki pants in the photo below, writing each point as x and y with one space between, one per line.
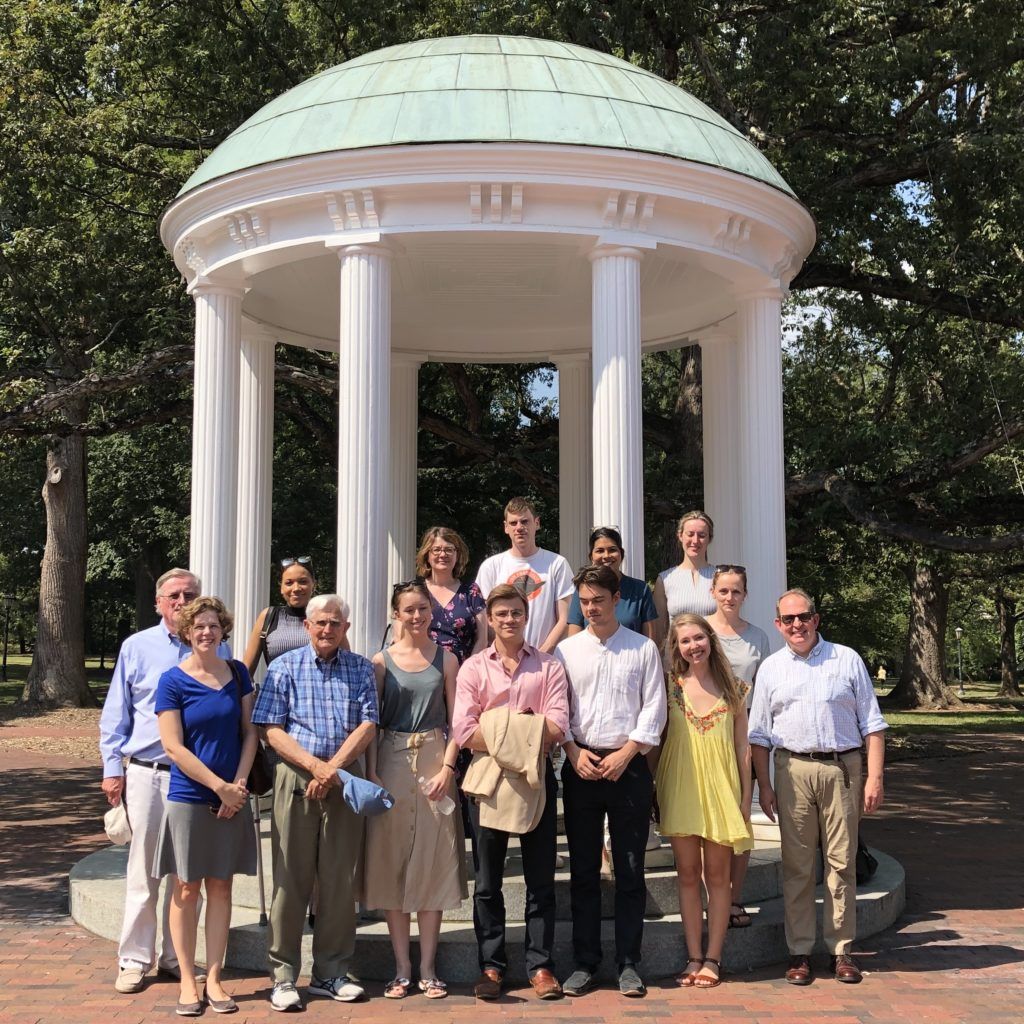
312 840
815 803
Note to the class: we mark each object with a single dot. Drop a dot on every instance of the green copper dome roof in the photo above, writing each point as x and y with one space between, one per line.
486 89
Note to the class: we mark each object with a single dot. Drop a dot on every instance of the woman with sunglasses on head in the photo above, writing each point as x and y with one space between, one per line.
635 609
415 854
204 707
686 587
458 622
279 628
704 786
745 646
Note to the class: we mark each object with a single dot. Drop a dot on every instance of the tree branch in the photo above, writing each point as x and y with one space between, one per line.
816 274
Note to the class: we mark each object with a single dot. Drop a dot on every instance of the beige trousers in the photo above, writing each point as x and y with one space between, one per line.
312 840
814 803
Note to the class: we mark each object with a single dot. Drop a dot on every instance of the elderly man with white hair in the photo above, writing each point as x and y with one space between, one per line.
318 708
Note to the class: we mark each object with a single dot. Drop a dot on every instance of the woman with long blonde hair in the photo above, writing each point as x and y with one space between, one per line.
704 786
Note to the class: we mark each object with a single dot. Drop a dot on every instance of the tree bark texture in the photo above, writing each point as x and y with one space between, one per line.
923 682
57 673
1006 609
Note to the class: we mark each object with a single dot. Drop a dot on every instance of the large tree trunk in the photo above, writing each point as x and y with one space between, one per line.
57 674
923 682
1006 609
148 568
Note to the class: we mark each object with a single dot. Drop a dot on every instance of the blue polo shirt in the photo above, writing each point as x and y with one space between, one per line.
635 607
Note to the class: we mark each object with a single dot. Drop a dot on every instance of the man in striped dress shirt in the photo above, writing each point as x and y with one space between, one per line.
815 706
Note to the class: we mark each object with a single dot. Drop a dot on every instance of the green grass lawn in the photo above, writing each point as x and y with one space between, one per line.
17 671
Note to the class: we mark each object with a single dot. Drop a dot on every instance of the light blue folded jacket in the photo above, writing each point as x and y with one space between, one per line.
363 796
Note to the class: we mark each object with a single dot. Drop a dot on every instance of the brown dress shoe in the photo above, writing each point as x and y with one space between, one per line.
844 967
545 984
488 985
799 970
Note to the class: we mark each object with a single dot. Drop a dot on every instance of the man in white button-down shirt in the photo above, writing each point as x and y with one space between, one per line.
815 705
617 711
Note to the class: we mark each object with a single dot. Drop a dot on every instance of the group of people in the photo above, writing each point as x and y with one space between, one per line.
481 684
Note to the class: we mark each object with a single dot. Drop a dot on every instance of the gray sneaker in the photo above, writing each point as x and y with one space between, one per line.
129 980
285 997
579 983
343 989
631 984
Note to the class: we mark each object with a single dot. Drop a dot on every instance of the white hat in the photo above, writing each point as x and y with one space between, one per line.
115 824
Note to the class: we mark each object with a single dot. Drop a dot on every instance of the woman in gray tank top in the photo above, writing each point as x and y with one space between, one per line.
415 858
745 646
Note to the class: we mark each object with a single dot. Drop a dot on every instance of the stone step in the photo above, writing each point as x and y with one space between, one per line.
764 882
97 900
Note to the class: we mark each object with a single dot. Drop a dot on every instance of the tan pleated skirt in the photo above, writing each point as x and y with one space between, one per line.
415 856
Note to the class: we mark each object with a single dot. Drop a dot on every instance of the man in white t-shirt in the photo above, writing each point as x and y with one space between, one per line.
544 577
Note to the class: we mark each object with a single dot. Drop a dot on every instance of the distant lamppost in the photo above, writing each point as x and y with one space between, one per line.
9 602
959 660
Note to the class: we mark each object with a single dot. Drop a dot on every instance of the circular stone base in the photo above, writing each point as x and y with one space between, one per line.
97 903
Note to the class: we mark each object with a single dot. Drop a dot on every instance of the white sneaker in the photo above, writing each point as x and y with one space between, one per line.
285 997
129 980
343 989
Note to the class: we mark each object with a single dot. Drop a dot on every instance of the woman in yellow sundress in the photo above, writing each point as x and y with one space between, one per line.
704 786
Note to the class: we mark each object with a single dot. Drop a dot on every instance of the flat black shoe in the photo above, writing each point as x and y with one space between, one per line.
579 983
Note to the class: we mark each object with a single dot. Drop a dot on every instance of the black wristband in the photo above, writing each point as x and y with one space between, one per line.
450 767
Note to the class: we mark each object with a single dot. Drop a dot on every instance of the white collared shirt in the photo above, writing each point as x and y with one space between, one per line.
823 702
616 689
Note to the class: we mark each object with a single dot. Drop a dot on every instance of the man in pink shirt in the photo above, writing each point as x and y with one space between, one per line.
511 672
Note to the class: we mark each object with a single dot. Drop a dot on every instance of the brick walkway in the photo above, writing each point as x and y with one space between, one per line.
957 955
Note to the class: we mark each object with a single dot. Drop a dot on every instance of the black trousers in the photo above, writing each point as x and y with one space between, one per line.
538 849
627 803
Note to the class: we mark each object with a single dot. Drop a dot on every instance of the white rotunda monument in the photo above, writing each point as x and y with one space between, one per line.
476 199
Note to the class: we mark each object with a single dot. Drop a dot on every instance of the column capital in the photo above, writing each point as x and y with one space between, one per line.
372 243
413 360
571 360
770 291
604 249
203 285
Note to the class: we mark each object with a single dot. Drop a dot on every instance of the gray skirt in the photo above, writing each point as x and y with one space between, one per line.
195 844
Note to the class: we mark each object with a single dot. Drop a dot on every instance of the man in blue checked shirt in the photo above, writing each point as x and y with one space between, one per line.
815 705
318 707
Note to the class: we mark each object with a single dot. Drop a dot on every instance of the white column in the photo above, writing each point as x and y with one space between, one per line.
618 471
215 438
363 446
255 481
575 503
760 464
405 370
723 499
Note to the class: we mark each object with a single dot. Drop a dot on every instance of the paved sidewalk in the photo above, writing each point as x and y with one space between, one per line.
956 956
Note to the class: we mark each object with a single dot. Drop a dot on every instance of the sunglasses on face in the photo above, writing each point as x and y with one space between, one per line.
805 617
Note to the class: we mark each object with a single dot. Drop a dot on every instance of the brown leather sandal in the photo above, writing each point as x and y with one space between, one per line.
704 980
685 978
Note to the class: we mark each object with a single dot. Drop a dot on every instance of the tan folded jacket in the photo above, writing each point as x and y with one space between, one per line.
508 782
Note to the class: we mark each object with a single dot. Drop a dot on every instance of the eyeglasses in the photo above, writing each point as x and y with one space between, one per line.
514 614
416 581
305 560
325 623
184 595
805 617
442 551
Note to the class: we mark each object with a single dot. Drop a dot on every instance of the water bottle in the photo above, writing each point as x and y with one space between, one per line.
445 805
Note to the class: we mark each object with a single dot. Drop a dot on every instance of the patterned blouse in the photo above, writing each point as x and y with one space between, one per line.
453 626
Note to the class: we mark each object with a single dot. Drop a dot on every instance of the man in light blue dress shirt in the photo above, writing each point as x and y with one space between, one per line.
128 730
815 706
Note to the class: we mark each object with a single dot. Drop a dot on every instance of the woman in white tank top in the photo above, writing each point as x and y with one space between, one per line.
686 587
